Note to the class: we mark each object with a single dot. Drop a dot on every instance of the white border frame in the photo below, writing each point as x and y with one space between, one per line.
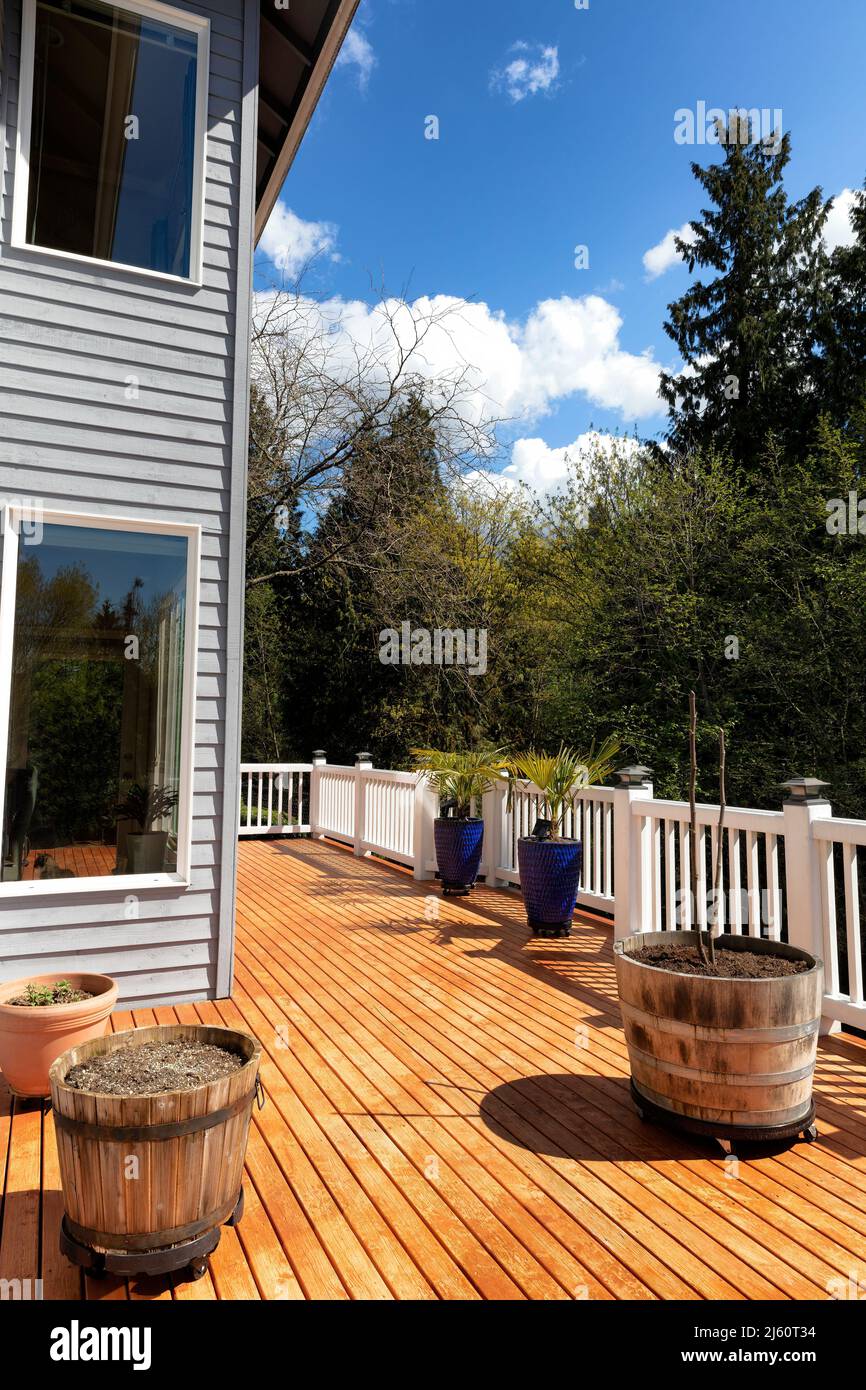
152 9
108 883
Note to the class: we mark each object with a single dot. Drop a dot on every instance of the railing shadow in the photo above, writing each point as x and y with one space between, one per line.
492 919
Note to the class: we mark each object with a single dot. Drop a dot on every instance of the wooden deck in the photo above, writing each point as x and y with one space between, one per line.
81 861
448 1117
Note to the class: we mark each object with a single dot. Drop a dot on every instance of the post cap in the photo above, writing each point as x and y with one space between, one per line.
319 753
804 789
363 757
634 776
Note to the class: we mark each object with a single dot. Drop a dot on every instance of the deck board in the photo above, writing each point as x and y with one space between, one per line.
448 1117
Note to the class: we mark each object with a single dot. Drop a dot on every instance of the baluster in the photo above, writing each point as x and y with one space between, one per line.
828 896
595 812
753 883
670 875
608 850
735 885
685 877
773 896
852 924
702 878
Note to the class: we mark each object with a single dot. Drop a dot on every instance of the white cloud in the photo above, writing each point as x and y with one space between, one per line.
516 370
837 229
535 68
545 470
291 243
661 257
357 51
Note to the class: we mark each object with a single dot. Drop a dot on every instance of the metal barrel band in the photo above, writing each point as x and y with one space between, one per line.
149 1240
125 1134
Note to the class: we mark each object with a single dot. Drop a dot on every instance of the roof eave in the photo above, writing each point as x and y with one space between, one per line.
321 69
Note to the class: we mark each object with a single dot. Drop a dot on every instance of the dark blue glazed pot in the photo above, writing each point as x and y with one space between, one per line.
549 879
458 851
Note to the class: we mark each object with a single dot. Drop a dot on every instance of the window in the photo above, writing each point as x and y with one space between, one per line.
110 155
97 658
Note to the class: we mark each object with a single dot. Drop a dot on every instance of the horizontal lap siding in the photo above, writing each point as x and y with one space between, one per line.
70 337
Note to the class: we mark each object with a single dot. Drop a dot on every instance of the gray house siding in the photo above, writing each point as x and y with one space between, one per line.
70 336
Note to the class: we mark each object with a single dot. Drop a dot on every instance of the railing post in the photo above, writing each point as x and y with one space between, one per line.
319 761
493 811
363 765
803 804
631 853
425 807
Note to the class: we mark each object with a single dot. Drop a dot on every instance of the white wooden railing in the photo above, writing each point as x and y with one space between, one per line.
275 799
376 811
750 898
789 875
837 843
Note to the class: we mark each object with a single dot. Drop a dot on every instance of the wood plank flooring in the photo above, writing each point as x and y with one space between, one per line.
448 1117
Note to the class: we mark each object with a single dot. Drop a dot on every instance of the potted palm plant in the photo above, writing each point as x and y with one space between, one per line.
549 862
460 779
144 806
722 1031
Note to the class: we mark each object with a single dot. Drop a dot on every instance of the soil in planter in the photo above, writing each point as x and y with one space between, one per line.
153 1068
43 996
730 965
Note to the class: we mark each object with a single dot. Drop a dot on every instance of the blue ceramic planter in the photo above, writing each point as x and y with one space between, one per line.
549 879
458 851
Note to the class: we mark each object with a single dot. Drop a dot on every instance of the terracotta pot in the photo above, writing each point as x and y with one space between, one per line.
31 1038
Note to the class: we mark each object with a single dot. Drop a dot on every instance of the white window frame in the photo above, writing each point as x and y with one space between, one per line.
10 525
151 9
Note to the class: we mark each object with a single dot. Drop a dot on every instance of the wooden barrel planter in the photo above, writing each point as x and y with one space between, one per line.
148 1180
731 1058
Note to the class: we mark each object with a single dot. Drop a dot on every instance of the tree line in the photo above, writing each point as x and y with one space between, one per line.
726 557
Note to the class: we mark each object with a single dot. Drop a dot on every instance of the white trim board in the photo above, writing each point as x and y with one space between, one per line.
12 516
181 19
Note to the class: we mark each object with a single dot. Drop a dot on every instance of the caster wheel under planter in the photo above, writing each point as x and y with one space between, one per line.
810 1134
198 1268
238 1211
551 931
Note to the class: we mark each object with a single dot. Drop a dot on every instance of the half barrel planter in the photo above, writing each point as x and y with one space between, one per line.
729 1058
149 1180
458 841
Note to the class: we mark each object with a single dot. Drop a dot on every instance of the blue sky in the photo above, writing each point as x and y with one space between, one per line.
556 129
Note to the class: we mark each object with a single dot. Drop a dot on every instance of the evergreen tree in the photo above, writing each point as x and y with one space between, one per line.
750 336
843 386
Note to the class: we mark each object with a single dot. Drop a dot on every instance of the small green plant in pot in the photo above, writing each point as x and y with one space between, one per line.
460 780
144 806
549 862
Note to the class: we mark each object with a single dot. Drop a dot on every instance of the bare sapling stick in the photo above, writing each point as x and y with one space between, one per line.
693 829
717 886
